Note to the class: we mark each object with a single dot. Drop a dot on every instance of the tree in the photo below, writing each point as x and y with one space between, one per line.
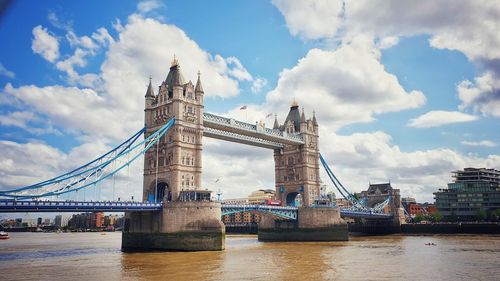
435 217
482 215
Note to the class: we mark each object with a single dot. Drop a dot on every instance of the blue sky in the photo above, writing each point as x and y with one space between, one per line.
400 94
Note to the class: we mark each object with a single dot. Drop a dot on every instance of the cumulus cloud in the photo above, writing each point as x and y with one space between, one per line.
311 19
468 26
440 118
45 44
23 164
350 85
482 95
361 158
78 110
5 72
258 84
485 143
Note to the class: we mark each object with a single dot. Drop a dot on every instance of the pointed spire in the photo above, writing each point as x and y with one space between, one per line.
174 62
302 116
174 77
315 122
276 124
199 88
149 92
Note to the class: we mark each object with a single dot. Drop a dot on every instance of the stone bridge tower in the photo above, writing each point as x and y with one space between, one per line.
297 166
175 163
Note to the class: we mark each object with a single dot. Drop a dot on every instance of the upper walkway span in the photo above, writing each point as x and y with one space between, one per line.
229 129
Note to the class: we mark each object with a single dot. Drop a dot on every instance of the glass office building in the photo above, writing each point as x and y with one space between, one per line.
473 190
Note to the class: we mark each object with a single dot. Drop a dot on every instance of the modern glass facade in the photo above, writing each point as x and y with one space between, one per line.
474 190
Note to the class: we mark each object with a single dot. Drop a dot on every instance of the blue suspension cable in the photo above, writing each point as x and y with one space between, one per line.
155 137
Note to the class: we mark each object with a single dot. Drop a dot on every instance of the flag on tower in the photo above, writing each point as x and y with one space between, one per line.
243 107
269 115
217 180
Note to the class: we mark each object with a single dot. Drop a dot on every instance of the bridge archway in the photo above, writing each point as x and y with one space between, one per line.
163 191
294 199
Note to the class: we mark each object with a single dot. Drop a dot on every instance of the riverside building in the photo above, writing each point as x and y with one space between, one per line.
473 190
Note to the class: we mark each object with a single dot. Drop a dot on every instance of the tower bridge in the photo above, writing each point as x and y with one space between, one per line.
176 212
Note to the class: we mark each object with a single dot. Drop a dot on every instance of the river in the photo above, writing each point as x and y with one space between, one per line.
97 256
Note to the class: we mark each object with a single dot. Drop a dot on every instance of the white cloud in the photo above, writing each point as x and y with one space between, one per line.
311 19
84 41
388 42
56 22
76 110
148 6
469 26
30 122
102 36
45 44
28 163
258 84
372 157
116 94
485 143
440 118
483 95
238 71
18 119
5 72
68 65
350 85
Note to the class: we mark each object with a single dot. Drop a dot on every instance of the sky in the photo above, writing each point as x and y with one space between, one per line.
404 91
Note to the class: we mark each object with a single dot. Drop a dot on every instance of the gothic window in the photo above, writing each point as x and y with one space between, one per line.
284 178
182 164
297 177
183 138
170 94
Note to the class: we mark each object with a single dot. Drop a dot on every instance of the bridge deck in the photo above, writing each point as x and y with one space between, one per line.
286 212
76 206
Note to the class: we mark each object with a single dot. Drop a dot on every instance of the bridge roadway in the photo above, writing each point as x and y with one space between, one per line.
286 212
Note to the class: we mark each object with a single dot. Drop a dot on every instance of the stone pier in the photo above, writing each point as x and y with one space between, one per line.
181 226
313 224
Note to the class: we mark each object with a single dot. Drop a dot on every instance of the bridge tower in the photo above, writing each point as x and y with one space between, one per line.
175 163
189 220
297 166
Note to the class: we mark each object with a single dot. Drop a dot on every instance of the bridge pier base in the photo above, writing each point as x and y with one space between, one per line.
180 226
313 224
380 227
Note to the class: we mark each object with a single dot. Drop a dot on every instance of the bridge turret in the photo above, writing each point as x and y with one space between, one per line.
297 166
303 122
315 123
149 101
276 124
174 164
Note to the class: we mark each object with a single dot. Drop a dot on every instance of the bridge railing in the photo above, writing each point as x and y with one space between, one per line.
230 122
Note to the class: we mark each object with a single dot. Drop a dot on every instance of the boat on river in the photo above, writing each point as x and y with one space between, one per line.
4 235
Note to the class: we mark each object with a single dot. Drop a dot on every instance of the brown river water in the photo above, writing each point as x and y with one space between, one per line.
97 256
